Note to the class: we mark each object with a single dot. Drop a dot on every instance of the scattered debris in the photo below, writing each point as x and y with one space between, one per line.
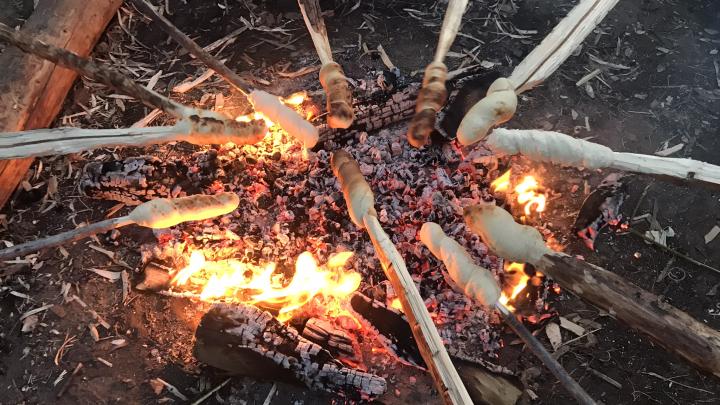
710 236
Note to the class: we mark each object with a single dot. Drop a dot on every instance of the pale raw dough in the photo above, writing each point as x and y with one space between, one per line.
474 281
358 195
549 146
496 108
165 212
286 117
505 237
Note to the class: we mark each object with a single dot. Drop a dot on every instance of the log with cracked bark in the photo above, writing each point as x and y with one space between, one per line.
248 341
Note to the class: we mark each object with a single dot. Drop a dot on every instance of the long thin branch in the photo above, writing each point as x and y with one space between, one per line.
192 46
99 73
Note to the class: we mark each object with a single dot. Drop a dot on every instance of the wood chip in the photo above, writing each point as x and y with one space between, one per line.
110 275
186 86
552 330
103 361
385 58
710 236
669 151
571 326
172 389
36 311
94 332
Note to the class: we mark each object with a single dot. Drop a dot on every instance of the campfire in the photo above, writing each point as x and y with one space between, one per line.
330 237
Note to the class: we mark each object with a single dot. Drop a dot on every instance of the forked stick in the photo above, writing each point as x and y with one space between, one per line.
673 329
501 101
360 202
268 104
157 214
433 93
479 284
555 147
332 77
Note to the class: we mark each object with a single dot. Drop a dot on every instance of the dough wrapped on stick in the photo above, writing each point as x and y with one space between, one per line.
433 93
360 201
674 330
157 214
499 105
332 77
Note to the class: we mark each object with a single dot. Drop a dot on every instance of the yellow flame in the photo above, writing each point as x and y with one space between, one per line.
502 183
520 282
295 99
257 115
526 191
250 284
395 303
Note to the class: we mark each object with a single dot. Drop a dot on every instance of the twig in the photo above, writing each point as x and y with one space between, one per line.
270 394
69 380
67 343
673 251
212 391
672 381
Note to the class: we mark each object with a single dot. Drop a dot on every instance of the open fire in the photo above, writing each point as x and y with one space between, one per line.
324 288
528 192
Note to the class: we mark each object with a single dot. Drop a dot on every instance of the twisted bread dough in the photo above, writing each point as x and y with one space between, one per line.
496 108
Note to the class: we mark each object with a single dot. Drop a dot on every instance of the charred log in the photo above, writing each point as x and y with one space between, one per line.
335 340
248 341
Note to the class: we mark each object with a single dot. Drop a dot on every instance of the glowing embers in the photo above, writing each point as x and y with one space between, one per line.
324 288
528 192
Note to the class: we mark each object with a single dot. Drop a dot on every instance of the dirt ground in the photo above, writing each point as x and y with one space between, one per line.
658 88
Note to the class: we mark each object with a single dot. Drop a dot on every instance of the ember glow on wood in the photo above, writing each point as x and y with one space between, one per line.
157 214
555 147
332 77
674 330
495 109
360 201
433 93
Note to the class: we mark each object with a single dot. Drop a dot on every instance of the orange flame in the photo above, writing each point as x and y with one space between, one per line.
235 280
527 192
518 283
295 99
395 303
257 115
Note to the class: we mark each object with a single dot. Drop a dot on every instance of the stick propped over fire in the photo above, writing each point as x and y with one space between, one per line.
673 329
360 201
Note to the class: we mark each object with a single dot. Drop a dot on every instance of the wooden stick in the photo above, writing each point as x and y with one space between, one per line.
33 89
58 141
433 93
496 109
673 329
479 284
192 47
157 214
555 147
360 200
332 77
102 74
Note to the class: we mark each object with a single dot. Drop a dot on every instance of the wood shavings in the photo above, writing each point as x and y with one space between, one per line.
710 236
552 330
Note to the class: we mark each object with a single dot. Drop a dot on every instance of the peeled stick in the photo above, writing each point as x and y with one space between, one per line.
474 281
157 214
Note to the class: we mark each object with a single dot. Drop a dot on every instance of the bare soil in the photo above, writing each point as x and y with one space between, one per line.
668 93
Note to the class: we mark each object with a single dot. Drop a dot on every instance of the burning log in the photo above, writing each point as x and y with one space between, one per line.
201 123
501 101
157 214
332 77
479 284
360 201
245 340
335 340
555 147
433 94
673 329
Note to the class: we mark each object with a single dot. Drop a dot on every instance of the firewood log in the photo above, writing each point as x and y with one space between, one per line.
248 341
34 89
674 330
